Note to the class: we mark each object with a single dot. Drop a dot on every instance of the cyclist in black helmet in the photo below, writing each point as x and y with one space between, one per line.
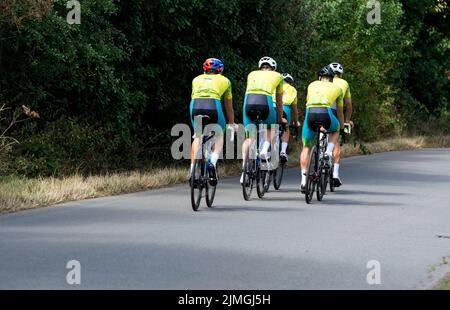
320 98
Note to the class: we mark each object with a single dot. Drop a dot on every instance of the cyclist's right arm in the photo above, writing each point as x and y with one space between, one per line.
348 110
279 101
340 109
228 104
294 110
348 105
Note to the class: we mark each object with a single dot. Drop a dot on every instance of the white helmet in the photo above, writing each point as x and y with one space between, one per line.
287 77
268 60
337 68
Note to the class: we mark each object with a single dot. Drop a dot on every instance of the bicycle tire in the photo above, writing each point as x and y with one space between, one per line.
332 187
278 176
247 184
260 182
310 178
322 184
267 181
210 191
197 184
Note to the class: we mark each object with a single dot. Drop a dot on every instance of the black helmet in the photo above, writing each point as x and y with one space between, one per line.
326 71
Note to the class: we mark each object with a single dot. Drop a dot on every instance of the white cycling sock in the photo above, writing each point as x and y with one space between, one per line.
214 158
304 172
284 146
330 148
336 171
265 147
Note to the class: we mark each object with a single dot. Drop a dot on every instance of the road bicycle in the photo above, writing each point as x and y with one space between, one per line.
200 179
252 166
319 170
277 174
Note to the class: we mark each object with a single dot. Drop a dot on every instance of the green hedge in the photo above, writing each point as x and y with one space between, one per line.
109 90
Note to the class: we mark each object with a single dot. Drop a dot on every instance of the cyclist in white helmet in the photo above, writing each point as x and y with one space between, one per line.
338 71
258 103
290 112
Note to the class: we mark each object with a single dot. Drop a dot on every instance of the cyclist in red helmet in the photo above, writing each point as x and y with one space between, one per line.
208 91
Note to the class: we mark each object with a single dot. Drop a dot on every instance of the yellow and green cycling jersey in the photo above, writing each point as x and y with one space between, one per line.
343 85
324 94
211 86
289 95
264 83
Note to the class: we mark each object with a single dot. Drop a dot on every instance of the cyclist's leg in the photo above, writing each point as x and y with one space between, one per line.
334 138
333 127
219 129
196 142
206 107
270 121
248 132
285 137
336 153
254 103
308 138
250 135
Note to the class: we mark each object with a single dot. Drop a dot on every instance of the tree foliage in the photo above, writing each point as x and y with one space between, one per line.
109 90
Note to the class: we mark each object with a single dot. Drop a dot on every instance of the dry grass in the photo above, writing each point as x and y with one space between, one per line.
18 193
444 284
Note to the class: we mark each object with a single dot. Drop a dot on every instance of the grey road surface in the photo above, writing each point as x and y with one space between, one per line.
392 208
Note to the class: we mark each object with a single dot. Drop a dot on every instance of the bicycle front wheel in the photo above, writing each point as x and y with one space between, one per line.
278 176
247 185
196 184
332 187
311 178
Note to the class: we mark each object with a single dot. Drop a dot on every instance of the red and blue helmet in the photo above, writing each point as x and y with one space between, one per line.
213 64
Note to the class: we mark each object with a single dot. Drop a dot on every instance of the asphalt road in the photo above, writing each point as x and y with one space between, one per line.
392 208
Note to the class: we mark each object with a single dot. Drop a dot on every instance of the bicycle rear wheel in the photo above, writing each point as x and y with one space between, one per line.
247 185
278 176
211 191
322 185
311 179
196 184
267 181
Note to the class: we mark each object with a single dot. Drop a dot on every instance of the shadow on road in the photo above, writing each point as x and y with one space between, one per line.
358 192
250 208
348 202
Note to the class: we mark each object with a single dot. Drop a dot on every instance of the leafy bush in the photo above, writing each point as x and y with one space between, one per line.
109 90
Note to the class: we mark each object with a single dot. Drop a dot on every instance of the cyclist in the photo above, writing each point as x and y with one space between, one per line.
320 98
290 112
261 84
208 89
348 107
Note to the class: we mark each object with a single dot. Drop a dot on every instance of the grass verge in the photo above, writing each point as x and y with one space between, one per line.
20 193
444 284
